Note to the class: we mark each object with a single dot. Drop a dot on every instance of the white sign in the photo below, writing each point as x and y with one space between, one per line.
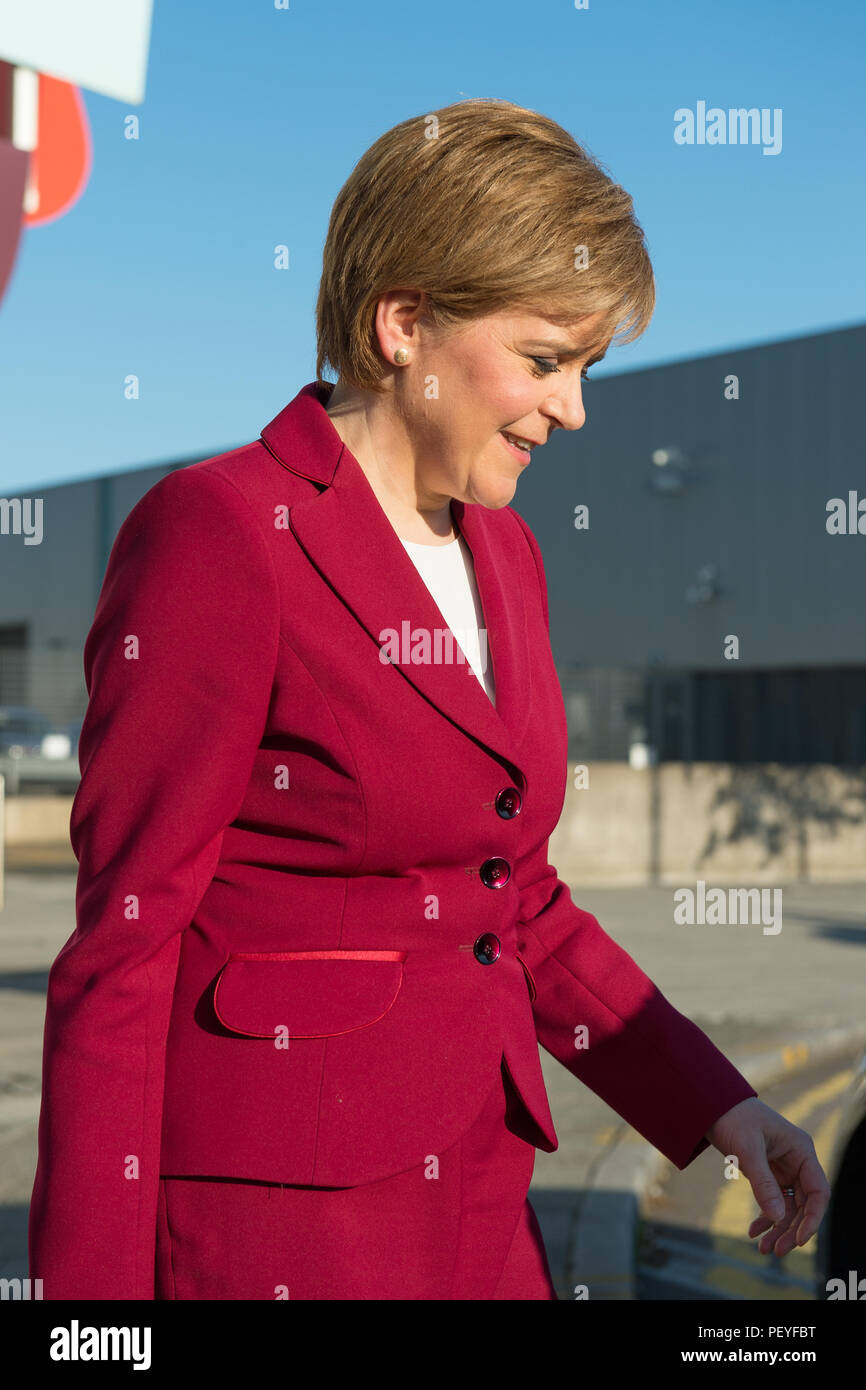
98 44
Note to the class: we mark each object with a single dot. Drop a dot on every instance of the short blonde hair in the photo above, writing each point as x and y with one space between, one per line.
483 205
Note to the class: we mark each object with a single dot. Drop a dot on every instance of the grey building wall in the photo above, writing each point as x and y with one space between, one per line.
758 476
48 592
637 659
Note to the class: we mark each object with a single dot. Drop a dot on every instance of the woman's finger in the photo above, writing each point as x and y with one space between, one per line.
812 1184
765 1185
781 1237
787 1227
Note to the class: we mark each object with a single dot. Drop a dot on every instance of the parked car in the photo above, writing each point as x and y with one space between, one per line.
22 731
842 1235
73 733
36 751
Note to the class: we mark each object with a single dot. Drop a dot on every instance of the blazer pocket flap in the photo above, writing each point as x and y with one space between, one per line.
306 994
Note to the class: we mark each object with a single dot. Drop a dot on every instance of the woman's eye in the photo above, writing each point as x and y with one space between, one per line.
545 366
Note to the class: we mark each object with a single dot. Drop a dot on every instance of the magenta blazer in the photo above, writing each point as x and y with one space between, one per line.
314 904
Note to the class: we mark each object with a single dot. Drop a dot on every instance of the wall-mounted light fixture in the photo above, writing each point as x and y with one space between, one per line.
705 586
670 470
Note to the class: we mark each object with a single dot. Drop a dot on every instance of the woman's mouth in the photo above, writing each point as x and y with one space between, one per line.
519 448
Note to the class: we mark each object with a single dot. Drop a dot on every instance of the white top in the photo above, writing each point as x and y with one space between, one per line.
449 574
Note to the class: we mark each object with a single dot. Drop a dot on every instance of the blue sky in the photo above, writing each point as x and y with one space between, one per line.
253 119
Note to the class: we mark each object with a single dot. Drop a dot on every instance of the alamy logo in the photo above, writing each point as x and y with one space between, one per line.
737 126
421 646
736 907
22 517
76 1343
846 519
20 1288
856 1288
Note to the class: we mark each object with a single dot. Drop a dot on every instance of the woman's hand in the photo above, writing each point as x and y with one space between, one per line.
774 1154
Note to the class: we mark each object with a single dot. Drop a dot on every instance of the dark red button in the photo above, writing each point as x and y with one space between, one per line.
508 802
495 873
487 948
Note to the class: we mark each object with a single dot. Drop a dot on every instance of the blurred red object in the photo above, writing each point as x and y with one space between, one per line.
61 162
41 183
13 180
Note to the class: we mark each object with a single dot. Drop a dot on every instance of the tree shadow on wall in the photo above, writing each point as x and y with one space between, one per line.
777 806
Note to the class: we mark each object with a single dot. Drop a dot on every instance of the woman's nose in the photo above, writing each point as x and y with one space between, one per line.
566 406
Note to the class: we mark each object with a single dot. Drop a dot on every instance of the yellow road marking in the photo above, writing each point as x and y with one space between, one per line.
825 1137
818 1095
796 1056
604 1136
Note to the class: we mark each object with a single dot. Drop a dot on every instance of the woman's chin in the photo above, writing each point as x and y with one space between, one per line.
496 492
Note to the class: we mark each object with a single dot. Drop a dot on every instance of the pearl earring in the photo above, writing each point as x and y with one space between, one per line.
401 356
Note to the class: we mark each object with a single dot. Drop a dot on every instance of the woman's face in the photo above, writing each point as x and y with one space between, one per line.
508 372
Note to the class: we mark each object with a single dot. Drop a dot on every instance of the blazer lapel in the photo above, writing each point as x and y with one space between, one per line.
352 543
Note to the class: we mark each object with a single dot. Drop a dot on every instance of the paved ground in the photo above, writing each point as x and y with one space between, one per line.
749 991
693 1241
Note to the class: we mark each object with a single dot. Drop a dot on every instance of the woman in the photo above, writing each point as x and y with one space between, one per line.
291 1048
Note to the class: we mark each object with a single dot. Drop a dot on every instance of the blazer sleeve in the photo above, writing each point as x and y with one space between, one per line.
599 1015
179 665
